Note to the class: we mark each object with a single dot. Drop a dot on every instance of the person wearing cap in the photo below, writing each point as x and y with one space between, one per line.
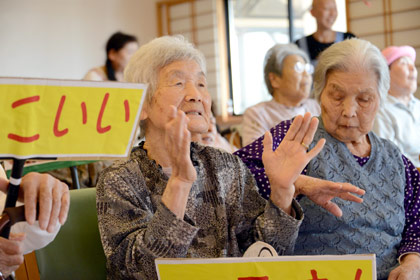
325 14
288 77
399 118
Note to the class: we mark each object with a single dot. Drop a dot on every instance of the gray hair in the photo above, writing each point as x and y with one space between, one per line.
145 64
350 55
274 58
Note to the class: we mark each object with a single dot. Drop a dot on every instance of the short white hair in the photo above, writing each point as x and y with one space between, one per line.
149 59
145 64
350 55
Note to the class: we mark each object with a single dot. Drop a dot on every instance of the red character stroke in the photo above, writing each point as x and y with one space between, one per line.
19 138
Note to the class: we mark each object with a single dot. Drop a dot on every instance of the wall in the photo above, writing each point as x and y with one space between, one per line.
65 38
387 22
202 23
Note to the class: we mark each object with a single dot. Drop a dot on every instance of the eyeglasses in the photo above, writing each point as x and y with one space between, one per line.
300 67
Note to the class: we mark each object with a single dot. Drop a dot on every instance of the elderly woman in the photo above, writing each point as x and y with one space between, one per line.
399 119
351 79
174 198
287 75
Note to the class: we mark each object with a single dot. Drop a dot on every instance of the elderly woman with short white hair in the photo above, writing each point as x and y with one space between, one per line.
351 80
174 198
288 77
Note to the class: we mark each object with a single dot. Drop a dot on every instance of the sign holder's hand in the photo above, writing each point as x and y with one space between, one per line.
13 190
11 256
284 165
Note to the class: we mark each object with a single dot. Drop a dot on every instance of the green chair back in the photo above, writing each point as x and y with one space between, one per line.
76 252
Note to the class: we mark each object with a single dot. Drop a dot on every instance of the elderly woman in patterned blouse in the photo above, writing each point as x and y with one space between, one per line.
174 198
351 79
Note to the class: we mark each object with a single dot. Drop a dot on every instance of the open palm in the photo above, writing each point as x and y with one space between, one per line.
284 164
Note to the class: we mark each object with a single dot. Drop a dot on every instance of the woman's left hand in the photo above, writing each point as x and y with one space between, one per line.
284 165
408 270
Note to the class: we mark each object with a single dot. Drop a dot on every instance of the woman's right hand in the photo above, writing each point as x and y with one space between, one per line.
178 141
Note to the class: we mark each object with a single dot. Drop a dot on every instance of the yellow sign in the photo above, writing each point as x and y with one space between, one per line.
68 119
344 267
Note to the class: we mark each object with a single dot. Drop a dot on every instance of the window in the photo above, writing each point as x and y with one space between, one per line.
254 27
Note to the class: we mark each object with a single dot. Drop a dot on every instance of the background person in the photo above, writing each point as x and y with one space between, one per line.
350 80
399 118
288 77
325 14
53 198
213 138
119 48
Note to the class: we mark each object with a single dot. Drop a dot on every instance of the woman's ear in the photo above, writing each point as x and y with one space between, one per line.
144 111
274 80
111 54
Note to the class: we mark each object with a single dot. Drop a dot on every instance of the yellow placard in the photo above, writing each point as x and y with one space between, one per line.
68 119
343 267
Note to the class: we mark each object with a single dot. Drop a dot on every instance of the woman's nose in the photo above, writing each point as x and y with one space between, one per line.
193 93
349 108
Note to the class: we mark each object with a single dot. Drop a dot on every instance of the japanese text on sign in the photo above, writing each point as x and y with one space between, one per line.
58 118
344 267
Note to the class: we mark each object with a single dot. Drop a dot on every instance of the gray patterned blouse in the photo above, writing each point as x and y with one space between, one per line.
224 215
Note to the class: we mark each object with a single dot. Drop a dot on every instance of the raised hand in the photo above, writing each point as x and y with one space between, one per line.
177 141
284 165
322 192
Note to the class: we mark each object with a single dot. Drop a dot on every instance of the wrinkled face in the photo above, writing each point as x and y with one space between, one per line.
295 83
349 103
183 85
121 57
403 75
325 13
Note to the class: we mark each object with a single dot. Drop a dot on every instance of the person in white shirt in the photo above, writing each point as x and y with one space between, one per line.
53 199
288 77
399 117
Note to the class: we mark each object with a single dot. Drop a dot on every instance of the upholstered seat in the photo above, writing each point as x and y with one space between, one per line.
76 252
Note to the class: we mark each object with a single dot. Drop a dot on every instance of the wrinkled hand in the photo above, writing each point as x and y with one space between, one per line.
322 191
408 270
11 255
51 194
284 165
178 141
